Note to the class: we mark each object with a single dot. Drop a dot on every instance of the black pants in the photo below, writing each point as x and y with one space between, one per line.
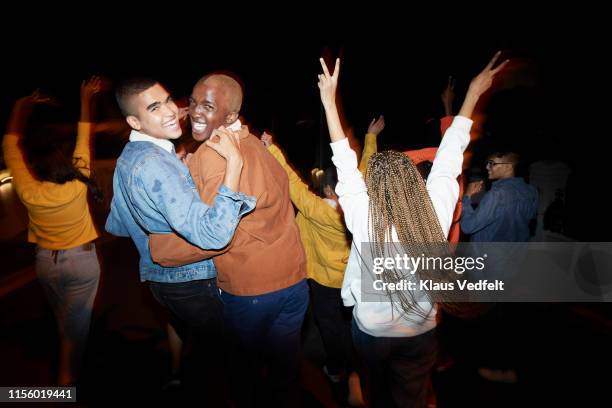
397 369
197 313
334 322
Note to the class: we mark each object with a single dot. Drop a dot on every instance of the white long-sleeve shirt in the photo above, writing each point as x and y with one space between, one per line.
378 318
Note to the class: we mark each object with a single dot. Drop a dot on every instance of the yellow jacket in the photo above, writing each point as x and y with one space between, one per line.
59 213
322 229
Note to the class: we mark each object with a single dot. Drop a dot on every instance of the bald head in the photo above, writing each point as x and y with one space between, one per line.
226 85
215 101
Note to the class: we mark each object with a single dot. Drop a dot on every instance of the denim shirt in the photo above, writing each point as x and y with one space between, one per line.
153 192
503 214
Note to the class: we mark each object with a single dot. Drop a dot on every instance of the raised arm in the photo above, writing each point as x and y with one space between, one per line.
82 149
479 85
351 189
448 96
308 203
327 87
442 182
89 88
370 143
13 156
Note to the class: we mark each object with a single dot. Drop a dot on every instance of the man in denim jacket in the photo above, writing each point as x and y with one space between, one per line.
153 193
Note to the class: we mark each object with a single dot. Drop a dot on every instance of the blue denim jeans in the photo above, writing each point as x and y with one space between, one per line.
397 369
266 332
70 280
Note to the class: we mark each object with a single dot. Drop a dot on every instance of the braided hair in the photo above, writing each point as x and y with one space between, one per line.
398 200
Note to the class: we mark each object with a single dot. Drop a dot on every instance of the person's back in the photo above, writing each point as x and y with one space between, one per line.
59 213
393 204
53 185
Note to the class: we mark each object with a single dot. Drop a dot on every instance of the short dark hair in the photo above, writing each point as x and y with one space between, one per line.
508 156
330 178
129 88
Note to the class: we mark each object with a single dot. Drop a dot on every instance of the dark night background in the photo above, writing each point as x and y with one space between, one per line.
392 65
553 104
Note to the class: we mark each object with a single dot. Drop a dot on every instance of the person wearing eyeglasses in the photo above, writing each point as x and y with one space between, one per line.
503 215
505 211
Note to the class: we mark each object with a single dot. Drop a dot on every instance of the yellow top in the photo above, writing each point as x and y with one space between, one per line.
369 148
59 213
321 226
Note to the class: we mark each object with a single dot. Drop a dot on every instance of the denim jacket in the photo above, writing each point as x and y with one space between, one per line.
153 193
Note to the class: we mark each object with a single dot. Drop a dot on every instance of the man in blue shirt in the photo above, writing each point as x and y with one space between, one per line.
505 211
503 215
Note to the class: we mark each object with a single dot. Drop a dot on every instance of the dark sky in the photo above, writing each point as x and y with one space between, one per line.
399 74
390 66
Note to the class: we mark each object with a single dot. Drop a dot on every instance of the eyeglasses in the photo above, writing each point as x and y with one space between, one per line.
491 163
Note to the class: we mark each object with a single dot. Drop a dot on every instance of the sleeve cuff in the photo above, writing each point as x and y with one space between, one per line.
340 146
462 123
348 303
248 202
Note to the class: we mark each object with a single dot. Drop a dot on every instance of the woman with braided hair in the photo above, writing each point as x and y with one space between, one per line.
393 205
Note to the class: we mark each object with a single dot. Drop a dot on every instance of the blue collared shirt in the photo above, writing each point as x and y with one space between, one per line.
153 192
503 214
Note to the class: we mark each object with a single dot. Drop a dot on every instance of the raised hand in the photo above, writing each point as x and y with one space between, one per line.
480 84
23 108
267 139
328 84
36 98
377 125
483 81
474 187
90 87
448 96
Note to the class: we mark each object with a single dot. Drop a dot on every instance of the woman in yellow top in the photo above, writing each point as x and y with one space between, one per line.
327 246
53 185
